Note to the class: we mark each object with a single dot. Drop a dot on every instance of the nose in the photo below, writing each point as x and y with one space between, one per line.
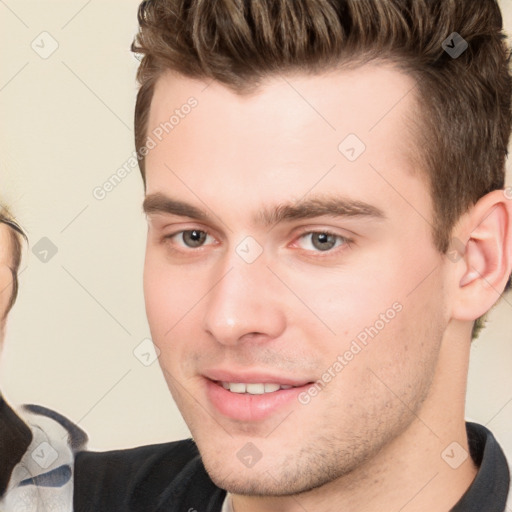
244 303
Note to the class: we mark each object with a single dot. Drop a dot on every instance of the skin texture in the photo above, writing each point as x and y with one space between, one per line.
5 275
376 431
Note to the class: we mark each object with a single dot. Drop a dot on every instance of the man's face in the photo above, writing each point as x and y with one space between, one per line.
267 288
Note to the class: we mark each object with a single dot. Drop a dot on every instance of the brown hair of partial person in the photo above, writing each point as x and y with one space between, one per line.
464 120
17 235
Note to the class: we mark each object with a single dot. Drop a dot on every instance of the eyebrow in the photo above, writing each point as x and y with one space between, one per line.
318 206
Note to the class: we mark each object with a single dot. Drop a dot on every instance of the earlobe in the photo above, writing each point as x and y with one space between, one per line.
487 259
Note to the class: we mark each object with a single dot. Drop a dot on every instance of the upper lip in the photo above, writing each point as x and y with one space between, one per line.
252 377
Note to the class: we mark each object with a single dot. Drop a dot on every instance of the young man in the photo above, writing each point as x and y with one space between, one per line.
327 221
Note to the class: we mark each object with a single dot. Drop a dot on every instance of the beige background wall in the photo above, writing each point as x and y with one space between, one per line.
66 128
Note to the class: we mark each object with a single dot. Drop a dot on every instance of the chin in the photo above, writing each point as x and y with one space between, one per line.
275 479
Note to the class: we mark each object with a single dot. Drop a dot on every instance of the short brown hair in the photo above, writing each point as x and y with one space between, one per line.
16 234
466 117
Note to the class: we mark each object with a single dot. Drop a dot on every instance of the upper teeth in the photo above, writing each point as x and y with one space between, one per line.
253 389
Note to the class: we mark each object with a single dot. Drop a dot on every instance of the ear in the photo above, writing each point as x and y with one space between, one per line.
484 240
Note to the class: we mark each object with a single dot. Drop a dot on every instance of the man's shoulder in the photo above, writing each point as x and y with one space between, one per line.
142 478
169 457
490 488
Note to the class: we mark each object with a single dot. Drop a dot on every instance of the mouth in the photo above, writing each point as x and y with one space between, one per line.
253 388
253 401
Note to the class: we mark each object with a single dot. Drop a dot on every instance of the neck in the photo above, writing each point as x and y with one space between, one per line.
426 467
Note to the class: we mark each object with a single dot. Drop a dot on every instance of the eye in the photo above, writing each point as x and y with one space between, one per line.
322 241
190 238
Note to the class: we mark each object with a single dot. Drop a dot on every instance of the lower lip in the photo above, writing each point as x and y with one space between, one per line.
247 407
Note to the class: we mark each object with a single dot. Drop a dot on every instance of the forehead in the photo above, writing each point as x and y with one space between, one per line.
363 99
286 137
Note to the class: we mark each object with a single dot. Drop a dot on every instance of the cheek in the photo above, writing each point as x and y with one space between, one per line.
376 308
404 353
5 289
345 300
159 296
171 293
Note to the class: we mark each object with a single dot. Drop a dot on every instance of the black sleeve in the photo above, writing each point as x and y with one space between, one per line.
128 480
15 438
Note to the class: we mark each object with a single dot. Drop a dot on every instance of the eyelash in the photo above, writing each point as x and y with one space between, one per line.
345 242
